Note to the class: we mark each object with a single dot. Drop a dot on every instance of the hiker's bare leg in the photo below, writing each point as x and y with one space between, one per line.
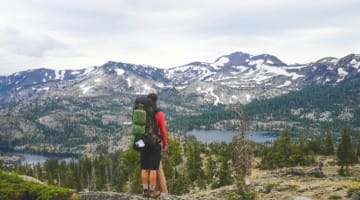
153 193
144 178
153 176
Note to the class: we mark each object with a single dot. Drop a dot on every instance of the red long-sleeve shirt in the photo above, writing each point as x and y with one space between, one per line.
161 127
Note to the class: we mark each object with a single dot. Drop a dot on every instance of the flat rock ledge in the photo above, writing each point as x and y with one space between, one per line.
122 196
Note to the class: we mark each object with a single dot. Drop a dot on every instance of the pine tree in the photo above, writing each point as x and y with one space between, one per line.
194 161
358 144
283 148
170 159
181 184
51 168
119 175
224 174
210 169
329 146
131 160
316 145
346 153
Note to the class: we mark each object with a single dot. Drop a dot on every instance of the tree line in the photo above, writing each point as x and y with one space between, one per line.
287 151
334 100
187 166
192 165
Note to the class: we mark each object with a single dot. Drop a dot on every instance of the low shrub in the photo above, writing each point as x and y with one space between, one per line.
12 187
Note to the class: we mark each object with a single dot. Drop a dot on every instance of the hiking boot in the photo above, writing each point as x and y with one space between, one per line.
154 194
146 193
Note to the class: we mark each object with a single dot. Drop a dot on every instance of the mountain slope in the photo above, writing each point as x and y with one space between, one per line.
316 108
72 110
328 107
237 77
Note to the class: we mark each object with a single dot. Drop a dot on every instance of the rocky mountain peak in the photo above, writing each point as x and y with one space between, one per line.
234 59
253 77
269 60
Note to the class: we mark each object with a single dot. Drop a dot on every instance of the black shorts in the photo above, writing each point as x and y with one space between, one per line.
150 157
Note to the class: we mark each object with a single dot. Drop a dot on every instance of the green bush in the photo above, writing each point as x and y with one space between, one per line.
12 187
334 197
269 187
243 193
354 189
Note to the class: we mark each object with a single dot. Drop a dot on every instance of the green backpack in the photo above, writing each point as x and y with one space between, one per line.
143 129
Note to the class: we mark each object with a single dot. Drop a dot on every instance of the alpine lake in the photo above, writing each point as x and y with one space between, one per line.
204 136
208 136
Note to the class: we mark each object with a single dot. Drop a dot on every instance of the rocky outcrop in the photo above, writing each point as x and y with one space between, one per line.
297 171
122 196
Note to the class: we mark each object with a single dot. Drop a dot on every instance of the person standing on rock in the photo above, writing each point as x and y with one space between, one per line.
150 157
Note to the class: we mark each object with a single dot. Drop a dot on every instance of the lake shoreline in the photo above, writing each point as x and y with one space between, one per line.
208 136
13 157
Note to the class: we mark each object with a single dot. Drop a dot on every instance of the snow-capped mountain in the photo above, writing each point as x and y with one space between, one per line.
69 110
237 77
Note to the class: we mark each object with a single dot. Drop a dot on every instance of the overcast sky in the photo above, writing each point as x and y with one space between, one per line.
63 34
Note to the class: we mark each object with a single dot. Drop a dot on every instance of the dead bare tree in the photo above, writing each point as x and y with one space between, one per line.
243 154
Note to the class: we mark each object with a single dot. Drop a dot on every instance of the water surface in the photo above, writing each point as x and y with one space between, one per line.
208 136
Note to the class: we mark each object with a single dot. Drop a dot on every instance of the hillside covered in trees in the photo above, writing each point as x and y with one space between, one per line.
191 168
316 108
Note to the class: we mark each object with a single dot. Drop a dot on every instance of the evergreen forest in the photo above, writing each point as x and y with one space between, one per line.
191 165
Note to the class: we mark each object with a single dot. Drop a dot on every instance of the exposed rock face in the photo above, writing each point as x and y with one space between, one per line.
297 171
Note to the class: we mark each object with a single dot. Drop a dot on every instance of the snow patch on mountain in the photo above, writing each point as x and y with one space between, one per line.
119 71
160 85
75 73
248 97
355 64
257 62
270 62
59 74
220 63
210 92
287 83
295 67
180 69
342 73
181 87
217 99
85 89
146 89
281 71
128 82
240 68
89 70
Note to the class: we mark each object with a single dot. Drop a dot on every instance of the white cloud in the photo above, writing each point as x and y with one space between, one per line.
27 44
77 34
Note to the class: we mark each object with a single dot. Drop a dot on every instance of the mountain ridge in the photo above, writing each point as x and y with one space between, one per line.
256 77
72 110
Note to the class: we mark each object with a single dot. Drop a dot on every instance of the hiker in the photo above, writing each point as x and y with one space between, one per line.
150 157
